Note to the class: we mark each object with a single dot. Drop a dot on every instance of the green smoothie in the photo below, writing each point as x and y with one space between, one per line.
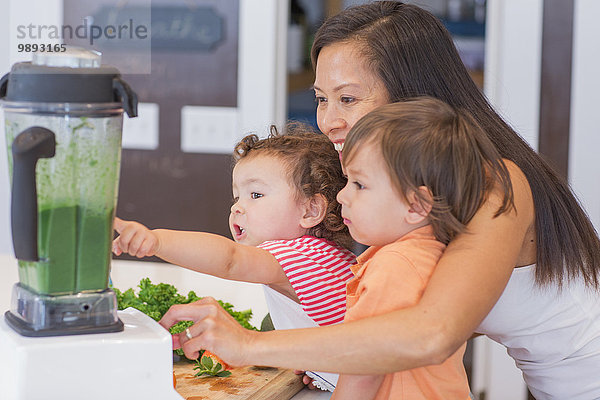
74 248
94 242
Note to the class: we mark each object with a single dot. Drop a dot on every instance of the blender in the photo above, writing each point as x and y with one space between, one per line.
63 130
63 116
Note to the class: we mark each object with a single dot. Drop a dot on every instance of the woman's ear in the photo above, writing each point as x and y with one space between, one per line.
315 210
420 205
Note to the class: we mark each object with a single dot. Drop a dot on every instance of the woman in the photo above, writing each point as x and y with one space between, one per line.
527 277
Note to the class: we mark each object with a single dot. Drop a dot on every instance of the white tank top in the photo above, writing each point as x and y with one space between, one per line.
553 336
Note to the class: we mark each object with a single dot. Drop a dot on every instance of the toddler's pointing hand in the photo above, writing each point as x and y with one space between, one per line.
134 239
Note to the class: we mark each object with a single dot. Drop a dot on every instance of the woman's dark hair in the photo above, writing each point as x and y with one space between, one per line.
312 166
425 142
414 55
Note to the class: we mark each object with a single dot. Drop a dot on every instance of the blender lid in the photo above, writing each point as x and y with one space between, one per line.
73 76
74 57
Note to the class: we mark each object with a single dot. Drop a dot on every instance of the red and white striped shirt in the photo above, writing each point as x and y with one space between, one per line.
318 271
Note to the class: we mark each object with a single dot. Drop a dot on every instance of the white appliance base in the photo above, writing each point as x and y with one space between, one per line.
134 364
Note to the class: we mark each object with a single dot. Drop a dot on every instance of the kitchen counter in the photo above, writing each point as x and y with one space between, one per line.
126 274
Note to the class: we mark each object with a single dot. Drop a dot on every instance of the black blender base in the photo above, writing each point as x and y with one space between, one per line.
22 328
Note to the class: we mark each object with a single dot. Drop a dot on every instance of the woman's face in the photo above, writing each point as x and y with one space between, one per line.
345 90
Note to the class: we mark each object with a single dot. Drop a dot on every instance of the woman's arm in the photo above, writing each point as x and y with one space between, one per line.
359 387
202 252
466 284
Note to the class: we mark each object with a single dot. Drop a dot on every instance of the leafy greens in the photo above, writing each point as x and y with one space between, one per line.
155 300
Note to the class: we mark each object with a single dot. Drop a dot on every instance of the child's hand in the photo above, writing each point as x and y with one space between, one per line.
134 239
307 380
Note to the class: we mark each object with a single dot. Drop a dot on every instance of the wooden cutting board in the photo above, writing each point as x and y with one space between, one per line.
246 383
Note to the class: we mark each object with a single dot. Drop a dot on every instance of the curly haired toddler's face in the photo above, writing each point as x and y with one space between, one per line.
266 205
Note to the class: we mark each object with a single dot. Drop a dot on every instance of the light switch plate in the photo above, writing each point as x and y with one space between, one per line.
209 129
141 132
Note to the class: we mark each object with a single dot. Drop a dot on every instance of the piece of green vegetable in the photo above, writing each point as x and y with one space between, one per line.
155 300
208 364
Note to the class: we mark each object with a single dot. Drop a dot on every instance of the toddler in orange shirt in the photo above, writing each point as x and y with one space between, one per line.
417 172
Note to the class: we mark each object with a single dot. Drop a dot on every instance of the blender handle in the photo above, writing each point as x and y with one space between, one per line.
4 85
29 146
125 94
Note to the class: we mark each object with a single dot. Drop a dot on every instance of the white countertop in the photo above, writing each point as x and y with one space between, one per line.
126 274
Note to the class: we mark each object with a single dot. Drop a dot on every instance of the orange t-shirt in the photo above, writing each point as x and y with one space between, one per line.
393 277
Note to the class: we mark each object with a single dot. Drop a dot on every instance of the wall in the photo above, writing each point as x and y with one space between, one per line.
512 63
512 83
261 78
584 169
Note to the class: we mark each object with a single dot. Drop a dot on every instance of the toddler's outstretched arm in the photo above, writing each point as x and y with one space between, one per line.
203 252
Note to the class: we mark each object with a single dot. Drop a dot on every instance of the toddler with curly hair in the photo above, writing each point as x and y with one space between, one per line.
287 229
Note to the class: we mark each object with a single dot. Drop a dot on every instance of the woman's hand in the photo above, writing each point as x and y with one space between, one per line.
213 330
134 239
